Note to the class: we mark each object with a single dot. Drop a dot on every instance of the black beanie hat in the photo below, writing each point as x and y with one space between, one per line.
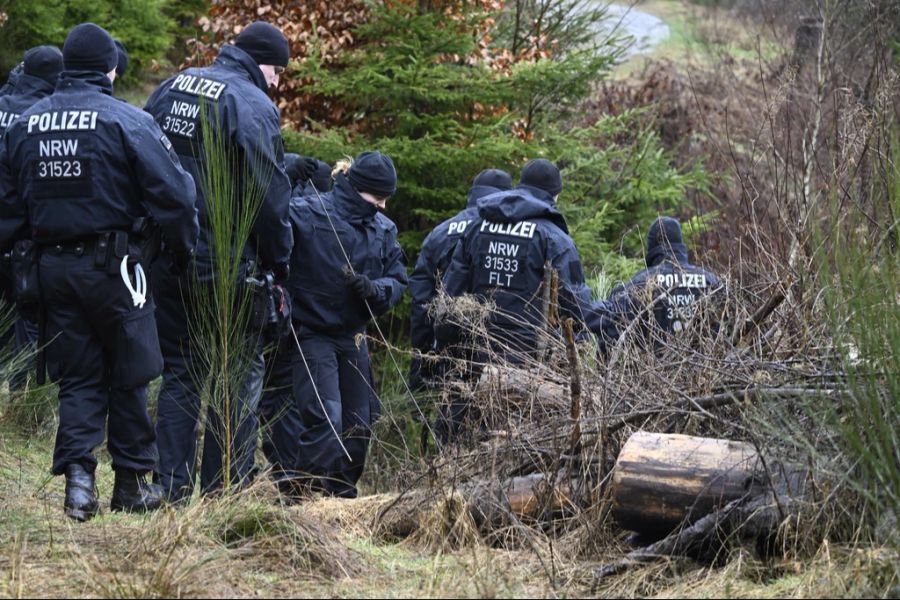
664 231
264 43
89 47
373 172
494 178
542 174
122 64
43 62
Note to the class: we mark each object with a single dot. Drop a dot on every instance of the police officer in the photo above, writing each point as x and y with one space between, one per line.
81 174
502 256
665 295
359 274
435 255
234 93
41 68
278 413
40 71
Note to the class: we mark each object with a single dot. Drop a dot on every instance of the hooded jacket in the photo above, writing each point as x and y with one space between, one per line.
24 94
79 162
232 94
502 257
10 86
670 284
326 228
434 257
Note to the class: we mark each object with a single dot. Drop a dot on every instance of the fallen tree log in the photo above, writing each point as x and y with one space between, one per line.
663 480
754 519
703 493
491 505
521 387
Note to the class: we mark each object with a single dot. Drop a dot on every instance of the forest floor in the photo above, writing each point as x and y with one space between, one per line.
250 545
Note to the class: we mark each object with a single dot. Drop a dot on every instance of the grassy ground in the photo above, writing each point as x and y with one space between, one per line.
701 35
243 546
251 546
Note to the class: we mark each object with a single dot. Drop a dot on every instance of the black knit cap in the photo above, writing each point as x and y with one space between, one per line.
373 172
43 62
122 64
542 174
89 47
264 43
664 231
494 178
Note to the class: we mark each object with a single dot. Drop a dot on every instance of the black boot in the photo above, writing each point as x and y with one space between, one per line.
132 494
81 494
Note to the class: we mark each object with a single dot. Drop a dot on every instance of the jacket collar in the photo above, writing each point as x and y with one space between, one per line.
477 192
519 204
84 80
28 85
234 59
676 253
351 206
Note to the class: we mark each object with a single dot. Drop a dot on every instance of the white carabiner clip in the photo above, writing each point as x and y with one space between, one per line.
139 290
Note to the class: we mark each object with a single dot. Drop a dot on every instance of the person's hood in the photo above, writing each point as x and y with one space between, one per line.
347 201
234 59
520 204
29 85
677 253
70 80
665 242
477 192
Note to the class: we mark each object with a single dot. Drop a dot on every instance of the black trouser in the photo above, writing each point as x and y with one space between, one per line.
96 338
178 412
278 413
341 374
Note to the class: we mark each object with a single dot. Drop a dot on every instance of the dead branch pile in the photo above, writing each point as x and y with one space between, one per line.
538 451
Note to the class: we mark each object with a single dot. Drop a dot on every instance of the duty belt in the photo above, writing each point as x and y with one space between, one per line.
78 248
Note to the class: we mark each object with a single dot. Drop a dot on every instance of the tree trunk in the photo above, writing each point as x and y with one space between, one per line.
663 480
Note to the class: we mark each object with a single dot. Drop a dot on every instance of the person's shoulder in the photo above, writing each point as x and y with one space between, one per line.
246 95
385 223
131 118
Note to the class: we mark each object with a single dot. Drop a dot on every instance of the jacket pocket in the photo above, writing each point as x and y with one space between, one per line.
138 359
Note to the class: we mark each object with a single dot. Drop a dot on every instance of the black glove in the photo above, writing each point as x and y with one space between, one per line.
281 273
300 168
363 286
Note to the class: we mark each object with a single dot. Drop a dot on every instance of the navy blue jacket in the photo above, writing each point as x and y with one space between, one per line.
668 289
501 257
233 92
10 86
325 228
80 162
435 255
26 92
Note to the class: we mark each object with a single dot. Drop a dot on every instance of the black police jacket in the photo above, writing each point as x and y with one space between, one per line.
26 92
231 94
501 258
664 295
80 162
327 229
10 86
435 255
